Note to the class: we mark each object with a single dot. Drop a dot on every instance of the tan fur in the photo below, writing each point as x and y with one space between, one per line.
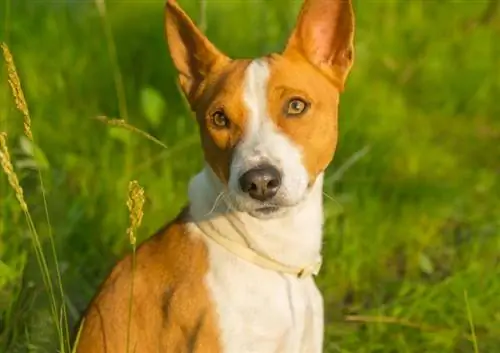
224 91
315 131
171 309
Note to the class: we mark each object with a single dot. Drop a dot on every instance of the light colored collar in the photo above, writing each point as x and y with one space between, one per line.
228 231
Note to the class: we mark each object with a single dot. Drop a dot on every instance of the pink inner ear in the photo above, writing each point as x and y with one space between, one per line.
325 28
322 37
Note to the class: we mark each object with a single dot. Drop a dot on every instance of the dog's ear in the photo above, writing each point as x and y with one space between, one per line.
193 54
324 35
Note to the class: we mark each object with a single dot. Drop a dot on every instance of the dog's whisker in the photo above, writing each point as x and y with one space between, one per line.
227 201
216 203
333 199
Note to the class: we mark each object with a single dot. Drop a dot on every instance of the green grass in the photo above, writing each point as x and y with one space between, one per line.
412 240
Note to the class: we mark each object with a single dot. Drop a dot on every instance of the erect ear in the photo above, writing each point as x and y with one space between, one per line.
192 53
324 36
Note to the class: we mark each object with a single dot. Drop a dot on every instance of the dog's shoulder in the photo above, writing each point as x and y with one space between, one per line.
161 288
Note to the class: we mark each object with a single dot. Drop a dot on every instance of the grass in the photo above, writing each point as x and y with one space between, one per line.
412 234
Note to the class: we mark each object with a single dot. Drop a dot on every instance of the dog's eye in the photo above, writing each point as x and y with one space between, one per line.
220 120
296 107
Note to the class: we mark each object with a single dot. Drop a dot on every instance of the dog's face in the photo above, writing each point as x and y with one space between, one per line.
268 126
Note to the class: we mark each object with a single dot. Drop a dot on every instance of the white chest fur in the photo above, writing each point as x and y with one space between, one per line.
261 310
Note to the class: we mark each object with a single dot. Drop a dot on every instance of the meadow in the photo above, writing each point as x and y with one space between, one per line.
412 232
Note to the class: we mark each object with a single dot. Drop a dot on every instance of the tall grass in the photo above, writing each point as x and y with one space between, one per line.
58 305
135 204
414 220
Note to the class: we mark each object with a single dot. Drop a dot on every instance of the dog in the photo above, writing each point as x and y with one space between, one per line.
234 271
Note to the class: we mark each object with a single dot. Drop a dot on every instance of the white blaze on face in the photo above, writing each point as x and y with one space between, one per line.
263 143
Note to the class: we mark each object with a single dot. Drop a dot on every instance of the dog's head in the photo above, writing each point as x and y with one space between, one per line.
268 126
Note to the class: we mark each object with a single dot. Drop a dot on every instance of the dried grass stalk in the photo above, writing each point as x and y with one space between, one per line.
17 91
135 204
123 124
7 167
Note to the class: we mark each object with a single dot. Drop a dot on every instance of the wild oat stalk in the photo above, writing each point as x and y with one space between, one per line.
17 91
77 339
117 77
367 319
9 171
123 124
135 204
471 322
22 106
203 16
6 164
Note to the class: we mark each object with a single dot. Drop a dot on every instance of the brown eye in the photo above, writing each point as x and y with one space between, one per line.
296 106
220 120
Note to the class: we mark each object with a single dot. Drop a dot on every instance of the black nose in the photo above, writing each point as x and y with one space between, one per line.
261 183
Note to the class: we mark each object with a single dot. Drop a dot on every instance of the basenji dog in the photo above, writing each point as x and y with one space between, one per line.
233 273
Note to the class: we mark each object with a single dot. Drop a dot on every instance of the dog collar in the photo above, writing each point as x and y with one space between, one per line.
245 252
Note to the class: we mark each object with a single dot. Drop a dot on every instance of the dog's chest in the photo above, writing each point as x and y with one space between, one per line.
259 310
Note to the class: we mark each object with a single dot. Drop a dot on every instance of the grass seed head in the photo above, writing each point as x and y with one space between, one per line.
7 167
135 205
17 91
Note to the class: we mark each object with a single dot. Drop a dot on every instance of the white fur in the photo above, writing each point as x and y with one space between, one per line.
262 311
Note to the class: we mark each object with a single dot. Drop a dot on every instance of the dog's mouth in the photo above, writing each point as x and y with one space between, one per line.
267 210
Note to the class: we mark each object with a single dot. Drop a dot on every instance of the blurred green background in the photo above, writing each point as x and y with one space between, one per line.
412 241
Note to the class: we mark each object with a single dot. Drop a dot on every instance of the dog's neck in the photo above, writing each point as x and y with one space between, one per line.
293 239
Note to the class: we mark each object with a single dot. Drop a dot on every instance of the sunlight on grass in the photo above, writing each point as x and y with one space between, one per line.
411 217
